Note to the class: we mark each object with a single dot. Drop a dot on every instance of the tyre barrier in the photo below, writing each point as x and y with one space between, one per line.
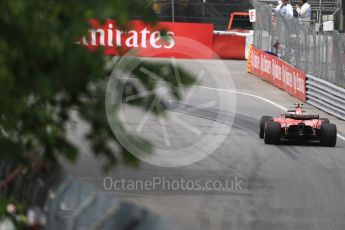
326 96
249 61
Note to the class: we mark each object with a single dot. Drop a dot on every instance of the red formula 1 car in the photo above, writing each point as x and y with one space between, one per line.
299 126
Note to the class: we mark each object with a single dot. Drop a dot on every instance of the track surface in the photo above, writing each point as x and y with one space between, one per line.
283 187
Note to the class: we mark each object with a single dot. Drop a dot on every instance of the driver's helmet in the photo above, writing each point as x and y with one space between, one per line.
299 111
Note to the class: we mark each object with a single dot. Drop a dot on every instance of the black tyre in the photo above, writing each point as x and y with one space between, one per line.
328 135
325 120
263 120
272 133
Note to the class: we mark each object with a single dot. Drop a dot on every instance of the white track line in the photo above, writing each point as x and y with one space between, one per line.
258 97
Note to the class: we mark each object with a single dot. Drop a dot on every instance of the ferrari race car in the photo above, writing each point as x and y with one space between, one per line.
297 125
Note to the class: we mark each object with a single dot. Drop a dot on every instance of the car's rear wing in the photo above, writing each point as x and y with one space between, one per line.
301 116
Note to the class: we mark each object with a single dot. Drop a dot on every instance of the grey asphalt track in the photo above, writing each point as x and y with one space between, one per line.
282 187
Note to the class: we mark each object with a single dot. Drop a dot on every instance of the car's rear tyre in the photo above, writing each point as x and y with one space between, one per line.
325 120
272 133
263 120
328 135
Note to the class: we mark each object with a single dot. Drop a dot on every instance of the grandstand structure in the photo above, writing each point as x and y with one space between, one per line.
218 11
333 10
207 11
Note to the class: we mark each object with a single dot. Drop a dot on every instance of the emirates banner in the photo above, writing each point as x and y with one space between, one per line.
279 73
179 39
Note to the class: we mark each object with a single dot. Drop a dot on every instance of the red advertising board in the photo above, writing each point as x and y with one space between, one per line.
181 40
279 73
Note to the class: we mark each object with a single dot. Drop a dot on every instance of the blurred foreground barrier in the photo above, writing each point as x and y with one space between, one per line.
326 96
68 203
77 205
28 188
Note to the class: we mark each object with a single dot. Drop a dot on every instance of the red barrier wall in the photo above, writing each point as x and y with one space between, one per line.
278 72
183 40
229 46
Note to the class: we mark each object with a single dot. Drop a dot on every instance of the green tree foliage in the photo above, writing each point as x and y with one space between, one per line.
44 75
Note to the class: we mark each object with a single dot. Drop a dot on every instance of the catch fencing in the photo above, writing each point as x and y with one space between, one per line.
320 54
